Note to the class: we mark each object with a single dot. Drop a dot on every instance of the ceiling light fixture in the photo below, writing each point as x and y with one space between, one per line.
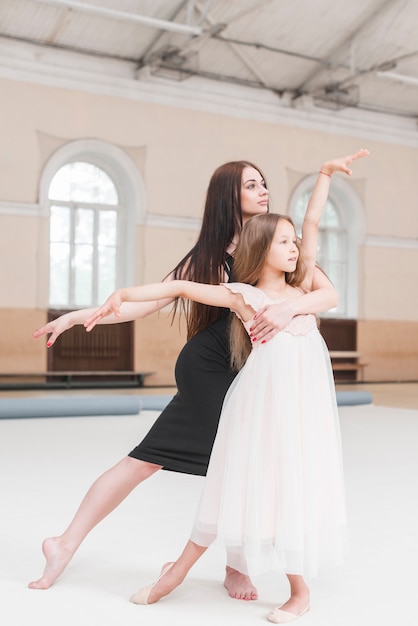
400 78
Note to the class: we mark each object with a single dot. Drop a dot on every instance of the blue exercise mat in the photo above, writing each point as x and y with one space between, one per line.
348 398
11 408
69 407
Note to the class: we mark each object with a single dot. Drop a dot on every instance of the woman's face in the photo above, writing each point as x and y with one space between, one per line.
254 195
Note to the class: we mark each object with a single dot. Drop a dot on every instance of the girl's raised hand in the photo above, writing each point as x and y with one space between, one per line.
342 164
112 305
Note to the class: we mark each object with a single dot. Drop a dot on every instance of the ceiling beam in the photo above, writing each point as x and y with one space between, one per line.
347 41
152 22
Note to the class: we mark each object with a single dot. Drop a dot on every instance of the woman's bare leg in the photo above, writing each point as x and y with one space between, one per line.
239 586
105 494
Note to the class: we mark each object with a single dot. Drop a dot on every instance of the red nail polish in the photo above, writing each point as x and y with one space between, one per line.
49 344
254 338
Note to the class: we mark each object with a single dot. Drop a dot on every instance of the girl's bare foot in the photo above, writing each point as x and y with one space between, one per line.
239 586
296 606
57 558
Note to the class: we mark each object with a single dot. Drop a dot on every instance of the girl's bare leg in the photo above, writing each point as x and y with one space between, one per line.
298 603
174 575
105 494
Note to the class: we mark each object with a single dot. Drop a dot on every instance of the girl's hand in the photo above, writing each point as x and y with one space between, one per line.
112 305
269 320
55 327
342 164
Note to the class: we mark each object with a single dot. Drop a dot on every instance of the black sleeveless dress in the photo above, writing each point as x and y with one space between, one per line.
182 437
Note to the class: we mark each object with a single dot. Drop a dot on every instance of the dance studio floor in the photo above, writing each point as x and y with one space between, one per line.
48 463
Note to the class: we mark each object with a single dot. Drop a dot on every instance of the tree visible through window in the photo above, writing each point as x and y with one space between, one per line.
84 226
332 245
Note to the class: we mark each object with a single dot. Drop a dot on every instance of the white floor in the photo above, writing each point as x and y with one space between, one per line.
47 464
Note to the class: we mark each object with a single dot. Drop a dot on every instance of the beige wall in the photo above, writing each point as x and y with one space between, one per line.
175 151
392 343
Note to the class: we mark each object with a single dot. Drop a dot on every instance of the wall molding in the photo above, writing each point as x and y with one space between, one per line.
25 209
172 222
391 242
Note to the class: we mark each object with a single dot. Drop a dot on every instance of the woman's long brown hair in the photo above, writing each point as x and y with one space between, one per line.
205 263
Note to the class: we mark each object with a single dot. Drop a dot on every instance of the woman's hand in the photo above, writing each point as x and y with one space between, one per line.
269 320
55 327
112 305
342 164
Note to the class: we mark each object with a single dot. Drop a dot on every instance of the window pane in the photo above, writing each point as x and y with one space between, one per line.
60 226
83 182
84 225
107 272
108 221
59 273
330 217
300 210
88 226
337 274
336 246
83 274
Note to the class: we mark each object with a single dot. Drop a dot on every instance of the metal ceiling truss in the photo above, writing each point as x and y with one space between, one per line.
181 60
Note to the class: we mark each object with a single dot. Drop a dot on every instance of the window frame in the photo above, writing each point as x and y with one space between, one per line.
350 210
130 189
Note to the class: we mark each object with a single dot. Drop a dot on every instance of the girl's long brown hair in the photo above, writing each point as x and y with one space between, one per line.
205 263
250 258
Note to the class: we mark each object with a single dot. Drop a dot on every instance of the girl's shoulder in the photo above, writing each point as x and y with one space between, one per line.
252 296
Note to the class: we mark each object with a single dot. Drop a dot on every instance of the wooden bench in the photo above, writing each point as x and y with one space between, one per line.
72 379
347 361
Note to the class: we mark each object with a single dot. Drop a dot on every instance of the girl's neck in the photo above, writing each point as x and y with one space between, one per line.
273 284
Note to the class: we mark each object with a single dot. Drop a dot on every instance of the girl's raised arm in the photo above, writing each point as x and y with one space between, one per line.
317 203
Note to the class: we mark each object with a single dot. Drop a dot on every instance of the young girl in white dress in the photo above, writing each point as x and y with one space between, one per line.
274 492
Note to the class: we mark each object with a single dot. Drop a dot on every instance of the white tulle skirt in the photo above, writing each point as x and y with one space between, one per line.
274 493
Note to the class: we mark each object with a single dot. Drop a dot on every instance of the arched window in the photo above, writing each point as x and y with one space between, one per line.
84 236
92 195
341 230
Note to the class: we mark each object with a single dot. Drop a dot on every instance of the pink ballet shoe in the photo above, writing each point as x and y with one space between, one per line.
284 617
141 596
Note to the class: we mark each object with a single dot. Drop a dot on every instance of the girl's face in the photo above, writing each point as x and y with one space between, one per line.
254 195
283 254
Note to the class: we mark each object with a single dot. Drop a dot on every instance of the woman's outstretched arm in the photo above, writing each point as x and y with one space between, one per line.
213 295
129 311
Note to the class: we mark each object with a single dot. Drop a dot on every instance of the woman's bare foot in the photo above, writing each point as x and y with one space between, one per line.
239 586
169 579
57 558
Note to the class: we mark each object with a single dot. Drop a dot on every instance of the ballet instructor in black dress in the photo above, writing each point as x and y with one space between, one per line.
181 439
